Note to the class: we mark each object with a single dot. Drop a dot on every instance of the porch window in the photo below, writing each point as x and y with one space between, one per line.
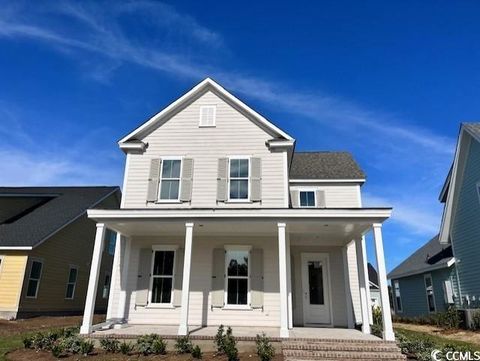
162 277
307 198
398 300
106 285
237 287
170 179
238 183
430 295
111 238
71 283
34 279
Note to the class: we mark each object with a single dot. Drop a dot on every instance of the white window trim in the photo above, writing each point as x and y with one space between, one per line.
234 200
38 280
180 158
399 296
162 248
314 190
429 275
214 107
225 301
74 283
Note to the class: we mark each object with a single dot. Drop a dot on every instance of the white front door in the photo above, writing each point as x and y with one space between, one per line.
316 290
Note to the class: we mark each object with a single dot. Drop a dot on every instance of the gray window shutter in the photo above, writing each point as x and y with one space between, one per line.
218 277
153 180
222 179
320 198
256 277
187 180
177 293
294 199
143 280
256 179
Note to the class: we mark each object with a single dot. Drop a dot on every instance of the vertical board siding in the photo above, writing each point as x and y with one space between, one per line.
12 271
466 224
234 134
337 195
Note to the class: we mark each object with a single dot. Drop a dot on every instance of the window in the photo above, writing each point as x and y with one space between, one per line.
71 282
34 279
398 300
162 276
106 285
238 184
111 238
207 115
237 287
430 295
170 179
307 198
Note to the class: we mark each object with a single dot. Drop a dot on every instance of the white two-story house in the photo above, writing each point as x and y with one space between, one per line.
222 222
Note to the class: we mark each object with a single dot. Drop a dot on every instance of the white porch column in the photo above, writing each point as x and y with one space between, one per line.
125 261
289 283
363 282
93 280
187 261
348 291
282 265
382 280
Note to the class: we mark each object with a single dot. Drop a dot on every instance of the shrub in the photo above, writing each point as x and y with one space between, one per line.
43 341
226 343
57 350
265 349
377 326
219 339
86 347
197 352
72 344
475 325
110 345
183 345
151 344
126 348
27 341
449 319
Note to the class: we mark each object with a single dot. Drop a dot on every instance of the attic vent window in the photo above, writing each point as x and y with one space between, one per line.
207 115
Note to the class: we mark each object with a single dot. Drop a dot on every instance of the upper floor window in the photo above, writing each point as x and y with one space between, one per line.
237 263
207 115
162 276
307 198
71 282
430 295
239 178
170 179
398 299
34 279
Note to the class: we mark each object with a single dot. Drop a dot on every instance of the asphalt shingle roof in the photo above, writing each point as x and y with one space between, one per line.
60 206
372 274
325 165
430 255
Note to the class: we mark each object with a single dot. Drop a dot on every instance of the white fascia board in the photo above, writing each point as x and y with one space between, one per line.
130 146
360 180
199 87
15 248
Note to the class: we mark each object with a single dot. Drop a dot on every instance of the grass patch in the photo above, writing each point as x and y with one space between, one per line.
9 343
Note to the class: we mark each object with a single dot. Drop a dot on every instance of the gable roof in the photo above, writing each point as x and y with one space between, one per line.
58 206
432 255
372 276
203 86
325 165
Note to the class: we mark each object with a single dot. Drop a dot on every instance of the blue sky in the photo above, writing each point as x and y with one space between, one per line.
388 81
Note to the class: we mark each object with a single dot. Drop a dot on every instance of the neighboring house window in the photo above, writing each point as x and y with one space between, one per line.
237 281
162 276
430 295
398 299
111 238
170 179
307 198
106 285
207 115
238 182
71 282
34 279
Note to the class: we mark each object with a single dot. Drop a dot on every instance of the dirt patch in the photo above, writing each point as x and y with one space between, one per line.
9 328
23 355
457 335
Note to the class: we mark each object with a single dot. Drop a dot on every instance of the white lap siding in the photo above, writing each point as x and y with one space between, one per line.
337 195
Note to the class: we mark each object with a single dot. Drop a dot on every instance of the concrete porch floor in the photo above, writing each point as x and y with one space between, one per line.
241 333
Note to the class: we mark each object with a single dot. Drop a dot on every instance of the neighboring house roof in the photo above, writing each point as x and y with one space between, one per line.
372 276
430 256
203 86
325 165
45 211
473 129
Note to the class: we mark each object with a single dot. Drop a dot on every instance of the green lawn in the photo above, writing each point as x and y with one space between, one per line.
8 343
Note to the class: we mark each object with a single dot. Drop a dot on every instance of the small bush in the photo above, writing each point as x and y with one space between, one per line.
219 339
197 352
110 345
449 319
72 344
151 344
475 325
86 347
126 348
58 350
43 341
27 341
183 345
226 343
265 349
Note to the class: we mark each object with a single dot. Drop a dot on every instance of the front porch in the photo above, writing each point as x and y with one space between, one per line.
287 286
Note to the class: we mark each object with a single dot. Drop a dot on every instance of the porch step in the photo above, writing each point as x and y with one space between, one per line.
345 350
